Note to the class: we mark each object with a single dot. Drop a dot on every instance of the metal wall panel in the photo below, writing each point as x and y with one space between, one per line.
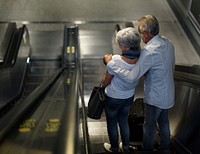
184 116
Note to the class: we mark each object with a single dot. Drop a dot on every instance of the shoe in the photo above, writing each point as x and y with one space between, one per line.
120 146
122 149
130 148
108 148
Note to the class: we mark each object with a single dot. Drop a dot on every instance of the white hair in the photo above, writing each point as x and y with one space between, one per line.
149 23
128 37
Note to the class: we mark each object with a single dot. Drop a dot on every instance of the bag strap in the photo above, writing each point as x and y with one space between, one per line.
101 83
101 91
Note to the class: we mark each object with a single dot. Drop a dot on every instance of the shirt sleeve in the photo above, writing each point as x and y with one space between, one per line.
139 69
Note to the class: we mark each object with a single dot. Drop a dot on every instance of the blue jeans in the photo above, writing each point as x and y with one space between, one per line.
117 113
154 116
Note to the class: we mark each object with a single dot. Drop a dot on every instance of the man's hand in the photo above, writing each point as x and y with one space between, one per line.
107 58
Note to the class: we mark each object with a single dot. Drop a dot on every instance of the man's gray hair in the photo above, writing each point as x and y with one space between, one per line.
149 23
129 37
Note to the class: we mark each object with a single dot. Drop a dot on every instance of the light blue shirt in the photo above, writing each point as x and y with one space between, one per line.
156 63
119 88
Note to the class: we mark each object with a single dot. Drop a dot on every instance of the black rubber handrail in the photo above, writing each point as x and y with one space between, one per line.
9 65
187 77
86 138
67 141
7 42
12 52
193 69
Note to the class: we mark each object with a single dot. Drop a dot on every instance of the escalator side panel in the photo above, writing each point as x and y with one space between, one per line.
184 116
12 78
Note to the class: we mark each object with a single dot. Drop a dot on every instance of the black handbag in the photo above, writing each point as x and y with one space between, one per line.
96 102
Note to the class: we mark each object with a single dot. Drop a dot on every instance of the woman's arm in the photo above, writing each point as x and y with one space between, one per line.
107 79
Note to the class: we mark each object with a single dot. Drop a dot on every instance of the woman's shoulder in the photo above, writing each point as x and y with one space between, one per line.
129 61
122 59
116 56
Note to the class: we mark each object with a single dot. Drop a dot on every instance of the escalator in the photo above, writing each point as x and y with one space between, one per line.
187 93
183 116
28 62
45 57
182 123
51 117
39 71
35 122
44 119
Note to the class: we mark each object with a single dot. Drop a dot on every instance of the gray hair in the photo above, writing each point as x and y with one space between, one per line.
149 23
129 37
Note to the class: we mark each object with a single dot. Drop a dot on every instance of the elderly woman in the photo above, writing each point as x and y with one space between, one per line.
119 93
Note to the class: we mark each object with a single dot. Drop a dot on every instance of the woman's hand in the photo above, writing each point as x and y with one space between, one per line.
107 58
107 79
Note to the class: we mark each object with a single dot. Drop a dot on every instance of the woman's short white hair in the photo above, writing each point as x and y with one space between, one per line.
128 37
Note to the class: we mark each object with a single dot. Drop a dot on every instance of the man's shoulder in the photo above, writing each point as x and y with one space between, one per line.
158 42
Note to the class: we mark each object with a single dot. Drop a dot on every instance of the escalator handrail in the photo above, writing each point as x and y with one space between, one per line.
12 51
13 117
17 45
187 77
11 65
10 32
192 69
86 137
67 141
